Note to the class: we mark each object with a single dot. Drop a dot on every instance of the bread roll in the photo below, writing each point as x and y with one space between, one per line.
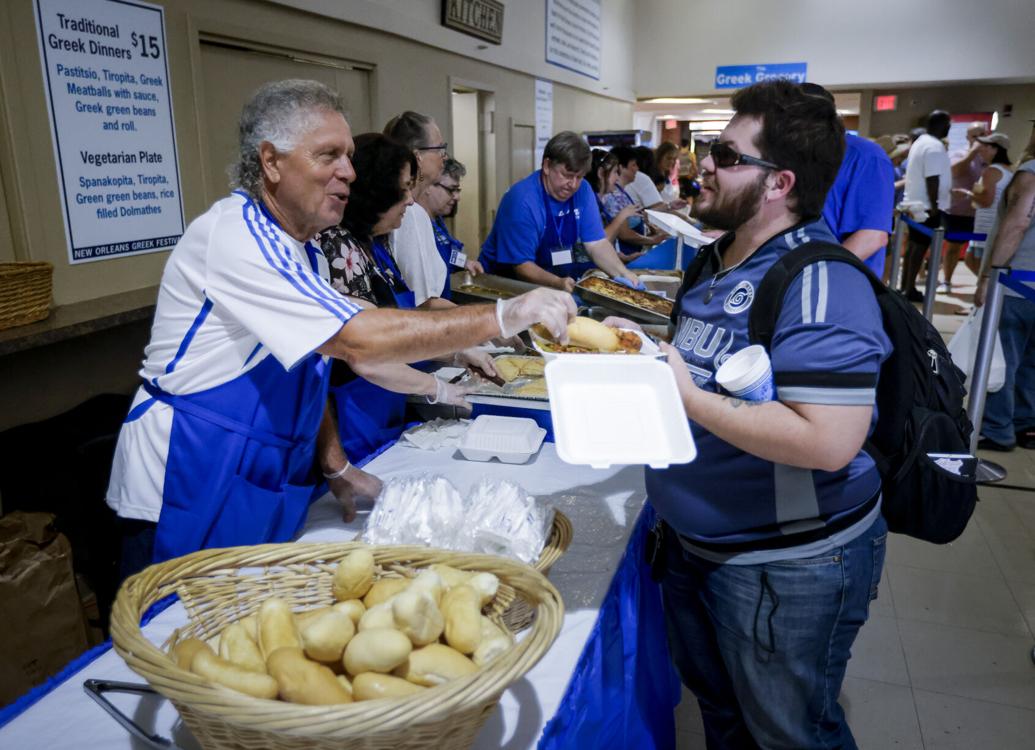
352 607
184 651
593 335
237 646
417 616
461 609
371 686
277 627
354 575
383 590
377 650
493 643
324 638
206 664
435 664
378 616
302 681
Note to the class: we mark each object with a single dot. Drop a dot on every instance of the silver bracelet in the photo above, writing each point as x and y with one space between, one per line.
340 473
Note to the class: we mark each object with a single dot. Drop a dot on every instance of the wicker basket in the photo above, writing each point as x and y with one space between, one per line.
515 611
220 586
25 289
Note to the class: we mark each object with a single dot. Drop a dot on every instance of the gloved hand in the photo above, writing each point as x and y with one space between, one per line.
450 394
613 321
476 358
551 307
632 283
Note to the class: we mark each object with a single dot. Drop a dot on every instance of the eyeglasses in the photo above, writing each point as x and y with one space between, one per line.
726 156
441 147
454 190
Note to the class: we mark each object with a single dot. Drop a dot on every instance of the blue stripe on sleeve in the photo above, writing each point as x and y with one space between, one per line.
343 312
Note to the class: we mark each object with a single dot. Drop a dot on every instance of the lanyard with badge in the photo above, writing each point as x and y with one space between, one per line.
457 256
561 254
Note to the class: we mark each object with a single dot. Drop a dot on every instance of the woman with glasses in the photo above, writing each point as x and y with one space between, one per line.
414 240
370 401
603 177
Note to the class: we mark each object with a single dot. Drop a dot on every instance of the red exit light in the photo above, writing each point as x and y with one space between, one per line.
886 103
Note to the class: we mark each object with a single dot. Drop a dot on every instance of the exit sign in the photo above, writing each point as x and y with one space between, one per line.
886 103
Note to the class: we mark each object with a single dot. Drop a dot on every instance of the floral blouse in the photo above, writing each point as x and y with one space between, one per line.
353 270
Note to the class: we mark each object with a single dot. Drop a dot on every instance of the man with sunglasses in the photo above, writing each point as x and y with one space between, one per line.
413 244
548 229
773 537
441 200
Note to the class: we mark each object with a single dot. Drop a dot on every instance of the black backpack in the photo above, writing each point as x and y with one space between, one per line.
921 442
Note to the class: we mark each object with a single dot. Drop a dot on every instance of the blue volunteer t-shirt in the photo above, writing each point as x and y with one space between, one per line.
827 348
531 226
452 251
863 195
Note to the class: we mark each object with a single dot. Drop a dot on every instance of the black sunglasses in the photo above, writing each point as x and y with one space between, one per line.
726 156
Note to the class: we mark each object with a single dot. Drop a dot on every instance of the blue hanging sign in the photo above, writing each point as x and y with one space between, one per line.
738 76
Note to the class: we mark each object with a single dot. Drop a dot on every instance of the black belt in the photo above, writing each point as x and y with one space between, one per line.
783 541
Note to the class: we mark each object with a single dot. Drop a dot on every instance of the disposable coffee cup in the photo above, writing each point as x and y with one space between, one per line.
748 375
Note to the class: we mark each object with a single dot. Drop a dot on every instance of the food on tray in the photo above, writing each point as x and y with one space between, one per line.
533 389
621 293
429 630
588 336
484 291
511 367
659 272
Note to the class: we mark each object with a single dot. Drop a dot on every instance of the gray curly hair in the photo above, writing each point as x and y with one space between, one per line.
279 112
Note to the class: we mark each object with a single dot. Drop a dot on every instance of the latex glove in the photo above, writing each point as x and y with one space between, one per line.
615 322
632 283
551 307
474 268
478 359
355 488
450 394
514 342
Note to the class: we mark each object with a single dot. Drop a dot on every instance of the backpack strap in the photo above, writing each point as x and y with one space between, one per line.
693 272
765 310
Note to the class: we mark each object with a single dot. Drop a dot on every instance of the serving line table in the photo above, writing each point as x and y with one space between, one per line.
605 683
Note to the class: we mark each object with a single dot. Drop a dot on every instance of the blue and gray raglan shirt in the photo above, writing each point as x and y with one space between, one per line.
829 332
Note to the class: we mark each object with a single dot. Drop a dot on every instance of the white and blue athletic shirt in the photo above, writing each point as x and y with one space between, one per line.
236 289
828 347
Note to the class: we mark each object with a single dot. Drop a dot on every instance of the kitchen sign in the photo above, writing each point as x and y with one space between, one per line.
480 18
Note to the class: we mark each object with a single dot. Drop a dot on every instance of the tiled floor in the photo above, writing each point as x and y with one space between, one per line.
945 660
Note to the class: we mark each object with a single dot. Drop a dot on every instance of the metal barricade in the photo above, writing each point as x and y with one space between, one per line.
987 471
934 264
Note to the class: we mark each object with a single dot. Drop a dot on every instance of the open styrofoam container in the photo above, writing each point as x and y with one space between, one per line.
513 440
615 409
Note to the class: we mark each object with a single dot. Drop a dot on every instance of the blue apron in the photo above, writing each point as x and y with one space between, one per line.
452 251
240 460
368 415
561 252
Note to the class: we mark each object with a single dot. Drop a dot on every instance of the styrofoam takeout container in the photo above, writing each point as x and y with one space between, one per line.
648 349
615 409
513 440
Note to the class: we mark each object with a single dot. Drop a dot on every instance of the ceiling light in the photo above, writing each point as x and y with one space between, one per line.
666 117
718 111
678 100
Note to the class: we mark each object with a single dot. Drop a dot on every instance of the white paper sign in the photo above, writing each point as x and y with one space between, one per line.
573 35
543 118
104 62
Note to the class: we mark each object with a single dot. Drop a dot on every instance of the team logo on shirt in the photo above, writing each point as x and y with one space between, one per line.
740 298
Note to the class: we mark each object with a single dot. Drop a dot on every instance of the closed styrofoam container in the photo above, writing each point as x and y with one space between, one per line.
615 409
513 440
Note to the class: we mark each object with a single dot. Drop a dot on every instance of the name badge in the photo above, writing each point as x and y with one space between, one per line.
457 258
561 256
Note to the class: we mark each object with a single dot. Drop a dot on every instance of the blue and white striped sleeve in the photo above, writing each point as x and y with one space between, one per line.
260 278
829 341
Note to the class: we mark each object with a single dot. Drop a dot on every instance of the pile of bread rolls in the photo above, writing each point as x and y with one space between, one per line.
382 638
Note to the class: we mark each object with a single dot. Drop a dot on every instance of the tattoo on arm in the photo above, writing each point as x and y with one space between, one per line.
736 403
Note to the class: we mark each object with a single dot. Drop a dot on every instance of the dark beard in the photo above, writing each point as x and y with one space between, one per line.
730 212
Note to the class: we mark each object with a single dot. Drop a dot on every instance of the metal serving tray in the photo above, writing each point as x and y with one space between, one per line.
489 288
626 309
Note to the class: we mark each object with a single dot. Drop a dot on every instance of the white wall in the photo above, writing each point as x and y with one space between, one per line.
844 42
524 36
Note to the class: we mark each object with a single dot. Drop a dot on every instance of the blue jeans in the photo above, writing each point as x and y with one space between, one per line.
1011 409
764 647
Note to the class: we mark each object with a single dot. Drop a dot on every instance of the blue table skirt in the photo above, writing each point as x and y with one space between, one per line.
624 689
664 256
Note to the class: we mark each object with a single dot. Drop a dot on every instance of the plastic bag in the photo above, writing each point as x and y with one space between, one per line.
963 348
496 518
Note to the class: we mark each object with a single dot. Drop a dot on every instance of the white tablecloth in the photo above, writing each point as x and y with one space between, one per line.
603 506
